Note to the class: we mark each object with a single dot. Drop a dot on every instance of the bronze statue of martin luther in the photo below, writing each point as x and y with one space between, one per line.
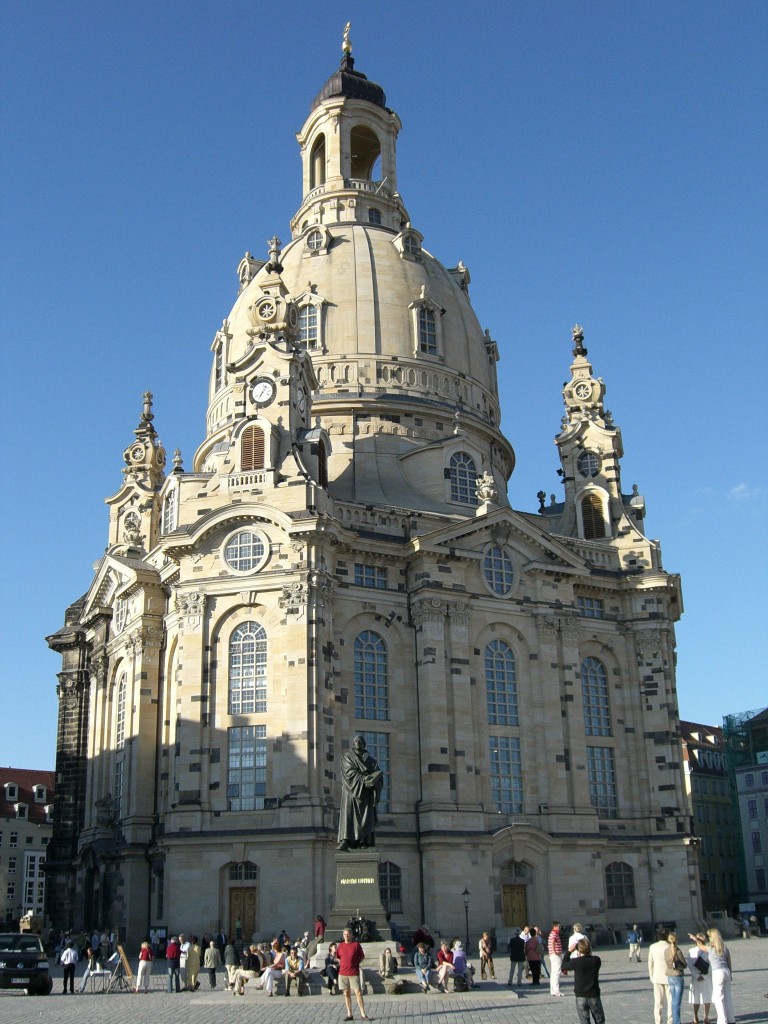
361 785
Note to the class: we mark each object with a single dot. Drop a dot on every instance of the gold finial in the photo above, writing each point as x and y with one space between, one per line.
346 45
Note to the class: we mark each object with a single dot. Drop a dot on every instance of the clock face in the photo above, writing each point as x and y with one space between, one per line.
301 402
583 390
293 317
263 391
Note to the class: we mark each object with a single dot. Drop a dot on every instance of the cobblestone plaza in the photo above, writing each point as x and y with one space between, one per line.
626 995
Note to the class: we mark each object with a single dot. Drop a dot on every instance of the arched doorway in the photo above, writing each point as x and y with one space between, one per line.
243 900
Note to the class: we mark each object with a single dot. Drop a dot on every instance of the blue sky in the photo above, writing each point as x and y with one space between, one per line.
593 162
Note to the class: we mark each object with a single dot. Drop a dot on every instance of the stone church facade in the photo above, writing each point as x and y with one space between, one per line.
341 558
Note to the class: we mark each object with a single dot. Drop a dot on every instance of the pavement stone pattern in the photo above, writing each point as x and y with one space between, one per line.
626 994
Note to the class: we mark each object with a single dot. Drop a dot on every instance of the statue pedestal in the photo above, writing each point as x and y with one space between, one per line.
357 890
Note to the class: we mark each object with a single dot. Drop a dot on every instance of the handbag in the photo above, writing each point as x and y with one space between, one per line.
701 965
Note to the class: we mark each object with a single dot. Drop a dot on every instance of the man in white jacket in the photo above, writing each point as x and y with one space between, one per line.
657 972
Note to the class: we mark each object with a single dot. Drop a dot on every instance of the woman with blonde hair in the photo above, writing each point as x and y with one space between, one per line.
145 968
676 965
700 988
720 972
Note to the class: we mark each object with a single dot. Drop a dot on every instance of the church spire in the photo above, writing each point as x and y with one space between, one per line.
145 457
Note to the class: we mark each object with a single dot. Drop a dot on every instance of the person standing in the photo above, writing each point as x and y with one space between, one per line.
657 972
720 971
231 963
193 964
533 956
184 945
211 961
676 965
586 987
485 949
634 938
350 955
320 927
145 968
516 958
68 961
172 963
575 938
555 950
700 988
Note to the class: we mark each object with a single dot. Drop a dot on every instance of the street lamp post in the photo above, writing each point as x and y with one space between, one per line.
653 914
465 897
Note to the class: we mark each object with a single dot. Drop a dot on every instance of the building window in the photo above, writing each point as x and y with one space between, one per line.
248 669
121 615
501 684
764 778
594 689
498 570
752 809
749 780
11 792
760 878
315 240
506 774
463 476
245 872
245 551
308 335
757 845
11 865
588 464
377 744
21 810
218 367
590 607
374 216
14 840
120 703
391 887
620 886
252 449
40 794
117 796
371 683
370 576
10 891
411 245
247 767
169 512
427 332
592 517
601 773
34 883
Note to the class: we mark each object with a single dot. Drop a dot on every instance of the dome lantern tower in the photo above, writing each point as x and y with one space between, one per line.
348 153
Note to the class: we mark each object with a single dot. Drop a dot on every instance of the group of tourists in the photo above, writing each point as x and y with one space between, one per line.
708 963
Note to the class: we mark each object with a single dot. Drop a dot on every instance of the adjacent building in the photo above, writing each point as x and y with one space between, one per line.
715 821
340 557
746 741
26 826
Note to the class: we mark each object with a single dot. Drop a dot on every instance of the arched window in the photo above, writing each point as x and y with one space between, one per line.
120 703
463 474
592 517
252 449
169 512
371 684
501 684
427 332
308 326
322 465
498 570
317 163
244 872
620 886
594 689
248 669
366 151
391 887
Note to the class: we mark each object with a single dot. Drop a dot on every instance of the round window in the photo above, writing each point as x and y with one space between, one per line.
588 464
245 551
315 240
499 571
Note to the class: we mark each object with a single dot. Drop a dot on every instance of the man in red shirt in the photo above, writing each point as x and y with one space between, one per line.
351 955
555 949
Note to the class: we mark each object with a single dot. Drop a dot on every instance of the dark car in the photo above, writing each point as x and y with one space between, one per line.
24 963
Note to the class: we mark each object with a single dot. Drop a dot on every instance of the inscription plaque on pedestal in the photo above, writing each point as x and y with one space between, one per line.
357 889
